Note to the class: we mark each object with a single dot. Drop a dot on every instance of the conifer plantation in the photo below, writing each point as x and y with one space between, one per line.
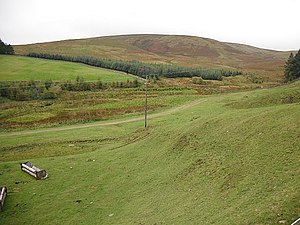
6 49
292 67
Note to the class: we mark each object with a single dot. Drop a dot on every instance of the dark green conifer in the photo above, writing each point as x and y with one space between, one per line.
292 67
6 49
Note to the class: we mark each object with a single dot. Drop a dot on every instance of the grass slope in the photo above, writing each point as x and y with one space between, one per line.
221 162
171 49
24 68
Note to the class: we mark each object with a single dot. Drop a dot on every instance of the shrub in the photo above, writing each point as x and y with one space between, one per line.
255 79
198 80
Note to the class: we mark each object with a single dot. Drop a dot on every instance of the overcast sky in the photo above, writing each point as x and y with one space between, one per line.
272 24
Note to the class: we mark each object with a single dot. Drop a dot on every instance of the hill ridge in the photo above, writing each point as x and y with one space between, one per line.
183 50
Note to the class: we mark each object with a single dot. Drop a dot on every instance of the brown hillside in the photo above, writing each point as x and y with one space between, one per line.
171 49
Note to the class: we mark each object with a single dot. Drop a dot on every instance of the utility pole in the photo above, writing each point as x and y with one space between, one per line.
146 96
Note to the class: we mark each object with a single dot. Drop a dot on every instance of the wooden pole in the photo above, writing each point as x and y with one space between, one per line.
146 103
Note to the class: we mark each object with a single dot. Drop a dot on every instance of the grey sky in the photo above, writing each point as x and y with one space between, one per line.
269 24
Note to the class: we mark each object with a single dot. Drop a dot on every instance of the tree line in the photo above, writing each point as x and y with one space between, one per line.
6 49
142 69
45 90
292 67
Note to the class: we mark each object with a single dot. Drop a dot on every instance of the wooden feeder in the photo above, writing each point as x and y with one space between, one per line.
296 222
34 171
3 193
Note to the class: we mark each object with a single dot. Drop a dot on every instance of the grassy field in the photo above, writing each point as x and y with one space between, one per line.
83 107
233 159
73 107
69 107
17 68
171 49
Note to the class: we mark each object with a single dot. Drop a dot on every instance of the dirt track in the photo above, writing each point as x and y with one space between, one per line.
96 124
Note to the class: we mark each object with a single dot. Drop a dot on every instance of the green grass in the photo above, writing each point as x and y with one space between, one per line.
215 163
83 107
31 117
279 95
17 68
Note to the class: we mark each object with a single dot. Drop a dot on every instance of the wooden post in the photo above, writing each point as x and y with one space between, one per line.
146 103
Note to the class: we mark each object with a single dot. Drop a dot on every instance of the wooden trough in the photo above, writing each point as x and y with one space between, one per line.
34 171
296 222
3 193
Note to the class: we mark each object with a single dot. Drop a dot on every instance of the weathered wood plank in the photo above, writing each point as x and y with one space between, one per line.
34 171
3 193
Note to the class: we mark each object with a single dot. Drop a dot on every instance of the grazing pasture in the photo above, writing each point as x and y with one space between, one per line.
45 93
229 159
17 68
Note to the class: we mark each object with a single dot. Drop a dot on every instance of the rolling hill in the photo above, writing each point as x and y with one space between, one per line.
212 159
231 159
171 49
